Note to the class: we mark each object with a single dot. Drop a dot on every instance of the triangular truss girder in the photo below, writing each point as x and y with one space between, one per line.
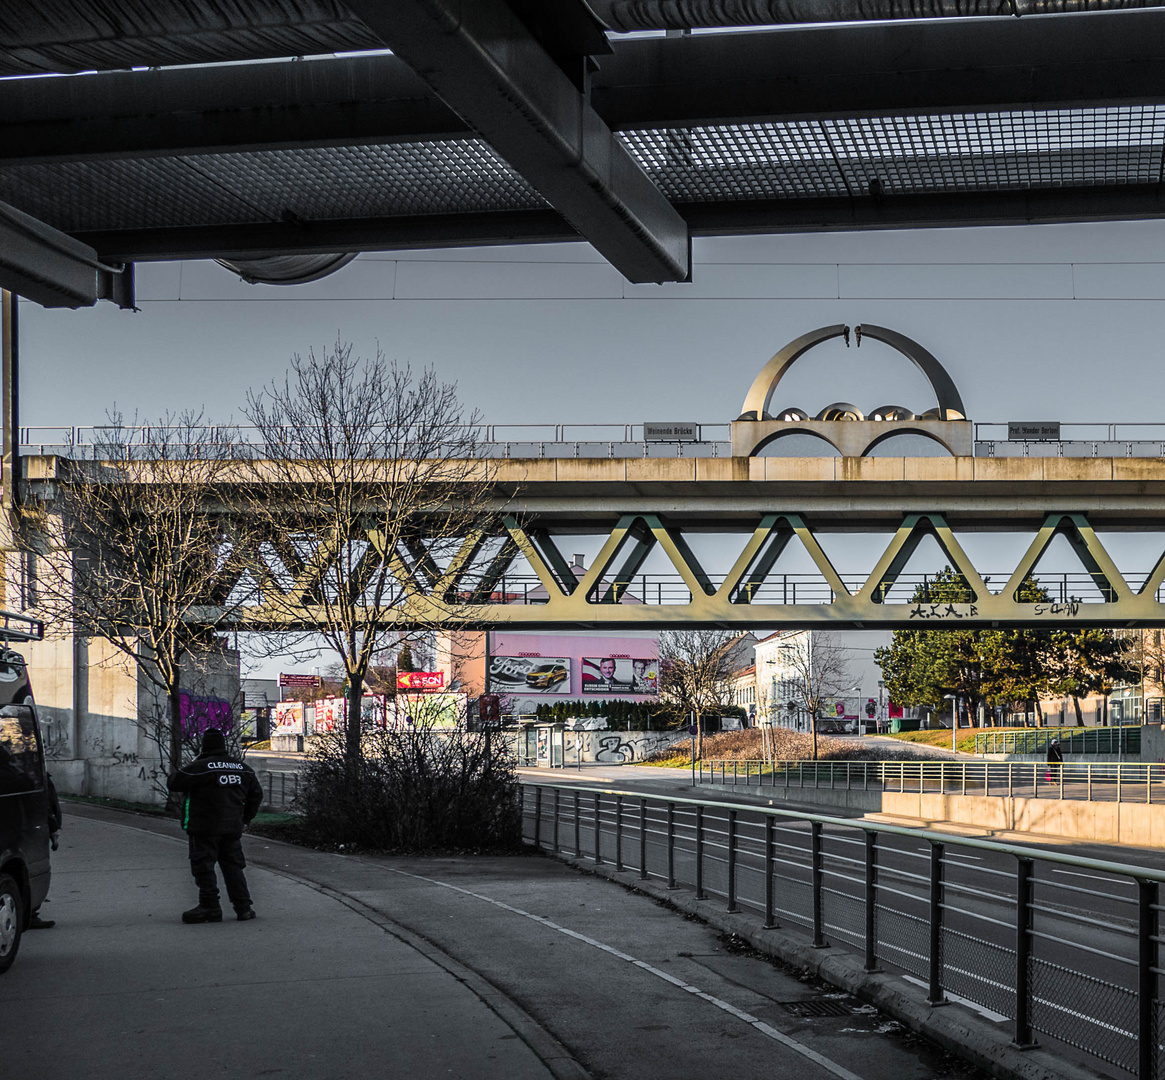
476 588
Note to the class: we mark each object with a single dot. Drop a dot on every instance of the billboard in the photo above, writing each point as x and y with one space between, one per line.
620 675
426 710
512 675
420 680
300 682
288 718
330 714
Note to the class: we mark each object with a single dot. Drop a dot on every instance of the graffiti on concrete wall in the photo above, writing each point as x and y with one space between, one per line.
54 731
200 713
618 747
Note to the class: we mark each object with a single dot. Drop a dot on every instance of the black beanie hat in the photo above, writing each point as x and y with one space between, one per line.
213 741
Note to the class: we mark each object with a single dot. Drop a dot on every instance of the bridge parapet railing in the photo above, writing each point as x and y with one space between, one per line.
486 441
1094 781
788 588
1059 948
1078 439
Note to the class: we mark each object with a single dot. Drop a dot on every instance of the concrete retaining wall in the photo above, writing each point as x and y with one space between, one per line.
1136 824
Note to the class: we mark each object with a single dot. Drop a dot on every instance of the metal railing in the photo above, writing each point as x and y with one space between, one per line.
280 789
482 440
1079 439
1123 739
661 589
1066 949
1094 781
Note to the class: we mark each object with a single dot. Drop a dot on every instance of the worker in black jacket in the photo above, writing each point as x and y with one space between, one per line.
222 796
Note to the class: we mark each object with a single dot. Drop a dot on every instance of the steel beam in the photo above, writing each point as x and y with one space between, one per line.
603 600
774 216
344 101
483 62
911 68
907 67
48 266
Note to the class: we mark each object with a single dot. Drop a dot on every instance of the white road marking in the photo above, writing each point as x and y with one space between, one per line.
1091 877
788 1041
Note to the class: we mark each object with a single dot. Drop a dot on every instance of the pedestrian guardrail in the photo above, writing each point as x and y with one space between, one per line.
280 789
1073 740
1065 949
1096 781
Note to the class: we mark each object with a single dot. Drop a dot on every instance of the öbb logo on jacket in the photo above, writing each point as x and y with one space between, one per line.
230 778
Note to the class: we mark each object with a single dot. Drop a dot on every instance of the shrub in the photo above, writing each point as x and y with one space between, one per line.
415 790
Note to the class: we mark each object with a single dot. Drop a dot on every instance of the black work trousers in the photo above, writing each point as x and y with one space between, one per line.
206 849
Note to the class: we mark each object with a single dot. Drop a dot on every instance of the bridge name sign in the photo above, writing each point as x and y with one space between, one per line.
1028 431
674 432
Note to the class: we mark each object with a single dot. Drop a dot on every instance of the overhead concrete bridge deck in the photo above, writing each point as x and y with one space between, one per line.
762 505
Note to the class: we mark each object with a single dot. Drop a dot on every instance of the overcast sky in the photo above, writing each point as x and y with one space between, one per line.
1045 322
1033 323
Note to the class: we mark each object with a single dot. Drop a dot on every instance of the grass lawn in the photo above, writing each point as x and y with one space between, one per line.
940 737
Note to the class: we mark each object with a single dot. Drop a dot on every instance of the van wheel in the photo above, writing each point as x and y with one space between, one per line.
11 921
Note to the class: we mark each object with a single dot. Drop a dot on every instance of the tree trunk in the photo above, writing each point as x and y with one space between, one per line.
174 696
699 736
1079 714
355 699
813 728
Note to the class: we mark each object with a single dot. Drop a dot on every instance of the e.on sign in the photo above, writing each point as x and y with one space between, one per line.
420 680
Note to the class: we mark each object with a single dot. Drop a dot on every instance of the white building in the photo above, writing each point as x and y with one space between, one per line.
782 658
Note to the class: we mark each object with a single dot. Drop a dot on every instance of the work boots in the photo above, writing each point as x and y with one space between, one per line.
201 914
244 913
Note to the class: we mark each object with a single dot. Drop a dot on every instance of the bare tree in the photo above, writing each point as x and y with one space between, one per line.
816 668
695 669
133 548
370 492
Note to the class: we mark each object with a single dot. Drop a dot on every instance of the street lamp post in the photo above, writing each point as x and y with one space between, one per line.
954 721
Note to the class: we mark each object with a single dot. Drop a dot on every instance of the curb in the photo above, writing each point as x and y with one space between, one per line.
952 1026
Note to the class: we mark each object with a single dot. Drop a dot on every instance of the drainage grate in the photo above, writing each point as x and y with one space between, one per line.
817 1008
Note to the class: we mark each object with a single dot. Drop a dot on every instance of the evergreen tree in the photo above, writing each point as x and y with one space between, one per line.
1005 667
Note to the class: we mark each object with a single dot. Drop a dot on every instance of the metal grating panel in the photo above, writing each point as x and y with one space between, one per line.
903 941
906 154
440 177
1085 1012
844 917
979 970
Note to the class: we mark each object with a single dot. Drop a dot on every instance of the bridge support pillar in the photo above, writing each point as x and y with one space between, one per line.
9 402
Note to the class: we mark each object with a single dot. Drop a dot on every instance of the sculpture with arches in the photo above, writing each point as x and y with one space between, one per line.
842 424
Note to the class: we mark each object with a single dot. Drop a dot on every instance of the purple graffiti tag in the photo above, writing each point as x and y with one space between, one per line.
200 713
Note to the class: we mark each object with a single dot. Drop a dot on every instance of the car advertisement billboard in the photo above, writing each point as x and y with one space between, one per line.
512 675
620 675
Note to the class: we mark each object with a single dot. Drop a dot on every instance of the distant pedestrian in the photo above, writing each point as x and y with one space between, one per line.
1055 760
222 796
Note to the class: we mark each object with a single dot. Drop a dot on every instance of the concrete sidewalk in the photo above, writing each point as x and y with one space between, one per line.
120 988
